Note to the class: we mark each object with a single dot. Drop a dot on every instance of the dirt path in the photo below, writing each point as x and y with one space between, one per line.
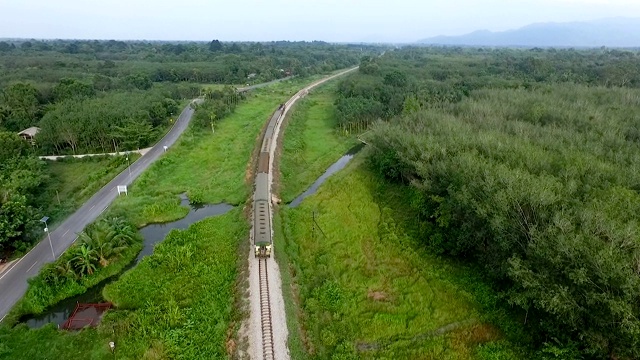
252 329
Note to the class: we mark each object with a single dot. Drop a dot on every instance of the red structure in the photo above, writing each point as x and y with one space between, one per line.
86 315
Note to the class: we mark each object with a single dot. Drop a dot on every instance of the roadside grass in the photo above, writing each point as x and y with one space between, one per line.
310 145
74 181
366 288
177 303
41 294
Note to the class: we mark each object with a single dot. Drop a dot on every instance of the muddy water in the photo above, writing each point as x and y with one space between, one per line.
334 168
152 235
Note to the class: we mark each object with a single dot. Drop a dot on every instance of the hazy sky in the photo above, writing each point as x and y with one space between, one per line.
328 20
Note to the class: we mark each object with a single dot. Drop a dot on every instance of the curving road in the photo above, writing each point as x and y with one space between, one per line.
13 281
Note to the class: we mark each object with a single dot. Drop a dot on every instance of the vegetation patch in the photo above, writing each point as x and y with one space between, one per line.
524 163
309 144
179 301
73 181
103 249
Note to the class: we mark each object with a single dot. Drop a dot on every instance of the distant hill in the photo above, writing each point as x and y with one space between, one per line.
613 32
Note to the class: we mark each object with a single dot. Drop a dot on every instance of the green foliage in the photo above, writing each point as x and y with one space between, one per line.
526 161
21 175
219 104
21 107
114 122
68 89
103 249
180 297
137 64
538 186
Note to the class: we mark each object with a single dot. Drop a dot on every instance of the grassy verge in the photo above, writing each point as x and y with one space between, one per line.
178 301
44 292
74 181
309 145
175 304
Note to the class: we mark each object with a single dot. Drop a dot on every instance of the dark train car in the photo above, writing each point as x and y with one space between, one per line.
262 217
262 196
263 163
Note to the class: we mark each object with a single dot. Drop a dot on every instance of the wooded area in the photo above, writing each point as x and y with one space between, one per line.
525 162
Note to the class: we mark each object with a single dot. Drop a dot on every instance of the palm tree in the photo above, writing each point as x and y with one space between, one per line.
83 259
108 237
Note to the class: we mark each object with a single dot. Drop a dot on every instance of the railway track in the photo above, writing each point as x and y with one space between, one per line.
262 237
265 311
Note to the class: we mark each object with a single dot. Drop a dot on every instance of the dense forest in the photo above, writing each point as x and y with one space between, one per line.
526 164
99 96
114 96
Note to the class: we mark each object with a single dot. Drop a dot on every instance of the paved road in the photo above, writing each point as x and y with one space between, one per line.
13 281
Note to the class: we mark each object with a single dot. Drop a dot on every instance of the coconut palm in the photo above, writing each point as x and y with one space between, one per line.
83 259
108 237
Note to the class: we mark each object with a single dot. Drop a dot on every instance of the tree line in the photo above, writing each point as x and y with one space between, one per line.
214 62
531 174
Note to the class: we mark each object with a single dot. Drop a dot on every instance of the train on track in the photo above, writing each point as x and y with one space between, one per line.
262 239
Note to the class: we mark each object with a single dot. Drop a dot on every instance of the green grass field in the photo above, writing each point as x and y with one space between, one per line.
310 145
365 288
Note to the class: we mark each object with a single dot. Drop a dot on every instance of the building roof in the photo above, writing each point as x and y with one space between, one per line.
32 131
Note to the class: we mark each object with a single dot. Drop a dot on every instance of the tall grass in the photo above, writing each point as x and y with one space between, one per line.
366 290
357 282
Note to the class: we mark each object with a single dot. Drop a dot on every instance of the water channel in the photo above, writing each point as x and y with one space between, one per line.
334 168
152 234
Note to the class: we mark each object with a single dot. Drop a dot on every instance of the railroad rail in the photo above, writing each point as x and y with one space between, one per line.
265 311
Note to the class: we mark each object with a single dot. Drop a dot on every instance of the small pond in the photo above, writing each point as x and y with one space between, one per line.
334 168
152 235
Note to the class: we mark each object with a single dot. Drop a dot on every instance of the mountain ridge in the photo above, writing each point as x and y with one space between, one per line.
612 32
